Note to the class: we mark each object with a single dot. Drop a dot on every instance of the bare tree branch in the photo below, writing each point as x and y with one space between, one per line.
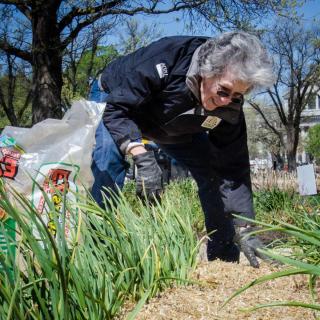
23 54
13 2
21 6
105 10
25 106
98 12
256 107
297 63
54 24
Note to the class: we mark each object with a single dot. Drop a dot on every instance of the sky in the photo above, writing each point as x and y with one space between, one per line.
311 10
170 24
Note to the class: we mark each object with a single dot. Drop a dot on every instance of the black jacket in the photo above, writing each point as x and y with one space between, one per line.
148 97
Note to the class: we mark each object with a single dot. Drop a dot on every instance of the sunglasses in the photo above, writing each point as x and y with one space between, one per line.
225 94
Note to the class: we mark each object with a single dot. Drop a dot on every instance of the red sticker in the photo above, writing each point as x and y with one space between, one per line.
9 163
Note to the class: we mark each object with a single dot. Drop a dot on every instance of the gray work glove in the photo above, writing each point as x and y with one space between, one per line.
149 176
249 244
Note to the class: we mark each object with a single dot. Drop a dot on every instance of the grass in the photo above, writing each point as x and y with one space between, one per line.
132 251
111 256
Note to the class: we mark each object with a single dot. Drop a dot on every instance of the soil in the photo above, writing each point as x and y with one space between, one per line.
219 280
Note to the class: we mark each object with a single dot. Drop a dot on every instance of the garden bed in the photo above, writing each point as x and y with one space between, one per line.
220 280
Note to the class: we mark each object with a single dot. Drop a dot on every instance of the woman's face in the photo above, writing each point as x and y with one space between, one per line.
217 92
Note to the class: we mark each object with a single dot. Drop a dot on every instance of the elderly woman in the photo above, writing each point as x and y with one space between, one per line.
186 94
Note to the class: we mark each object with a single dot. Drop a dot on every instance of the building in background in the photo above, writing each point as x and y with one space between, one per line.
309 117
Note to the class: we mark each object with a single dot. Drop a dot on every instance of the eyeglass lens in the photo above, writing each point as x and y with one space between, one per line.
225 94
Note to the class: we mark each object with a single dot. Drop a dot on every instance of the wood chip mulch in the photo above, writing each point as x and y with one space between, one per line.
220 280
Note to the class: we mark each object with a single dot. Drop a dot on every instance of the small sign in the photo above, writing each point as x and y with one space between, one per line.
306 180
211 122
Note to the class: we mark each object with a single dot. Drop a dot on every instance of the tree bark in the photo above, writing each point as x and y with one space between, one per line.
12 117
47 64
291 148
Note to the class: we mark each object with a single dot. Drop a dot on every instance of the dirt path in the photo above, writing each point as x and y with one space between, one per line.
220 281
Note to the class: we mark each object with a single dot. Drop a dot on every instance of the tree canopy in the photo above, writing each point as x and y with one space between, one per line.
297 66
40 32
313 142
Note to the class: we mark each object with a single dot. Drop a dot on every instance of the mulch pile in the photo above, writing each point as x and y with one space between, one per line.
220 280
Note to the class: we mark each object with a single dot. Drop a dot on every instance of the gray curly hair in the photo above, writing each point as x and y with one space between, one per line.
240 53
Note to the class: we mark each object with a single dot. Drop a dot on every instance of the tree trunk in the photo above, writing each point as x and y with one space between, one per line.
291 148
12 116
278 161
292 163
47 65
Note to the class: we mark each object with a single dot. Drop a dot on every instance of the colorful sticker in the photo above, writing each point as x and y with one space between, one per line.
6 141
57 180
9 163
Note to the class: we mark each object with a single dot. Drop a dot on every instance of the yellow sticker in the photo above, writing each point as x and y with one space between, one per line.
210 122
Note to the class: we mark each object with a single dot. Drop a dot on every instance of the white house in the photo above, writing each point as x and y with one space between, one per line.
310 116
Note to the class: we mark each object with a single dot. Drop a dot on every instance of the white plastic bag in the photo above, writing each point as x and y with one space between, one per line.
56 154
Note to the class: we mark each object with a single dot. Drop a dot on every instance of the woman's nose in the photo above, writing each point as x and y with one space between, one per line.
225 100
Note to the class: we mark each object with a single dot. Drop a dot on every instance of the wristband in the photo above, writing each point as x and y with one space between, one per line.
133 145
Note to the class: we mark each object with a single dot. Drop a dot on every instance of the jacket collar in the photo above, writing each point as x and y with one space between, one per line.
193 76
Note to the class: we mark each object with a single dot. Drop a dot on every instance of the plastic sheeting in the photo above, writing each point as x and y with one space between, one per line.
52 157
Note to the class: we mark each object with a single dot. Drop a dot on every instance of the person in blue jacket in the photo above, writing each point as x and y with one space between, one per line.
186 93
